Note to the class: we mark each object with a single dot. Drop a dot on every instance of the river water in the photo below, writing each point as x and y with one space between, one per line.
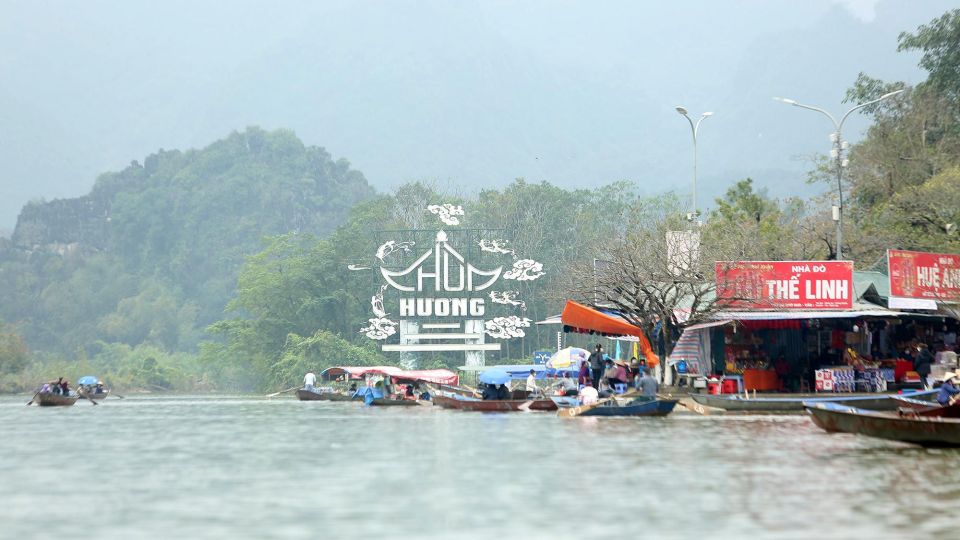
245 467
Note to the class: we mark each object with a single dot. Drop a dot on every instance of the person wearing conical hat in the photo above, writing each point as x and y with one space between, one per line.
948 390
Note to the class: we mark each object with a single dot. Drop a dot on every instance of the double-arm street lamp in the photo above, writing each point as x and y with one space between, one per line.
694 129
839 145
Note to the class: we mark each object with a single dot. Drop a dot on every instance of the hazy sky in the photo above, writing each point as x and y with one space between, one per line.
466 93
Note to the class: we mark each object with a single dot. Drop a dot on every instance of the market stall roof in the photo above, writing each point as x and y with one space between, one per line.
860 309
580 318
708 324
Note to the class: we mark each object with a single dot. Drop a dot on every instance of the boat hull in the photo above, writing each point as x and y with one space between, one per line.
509 405
387 402
658 407
926 431
54 400
875 402
309 395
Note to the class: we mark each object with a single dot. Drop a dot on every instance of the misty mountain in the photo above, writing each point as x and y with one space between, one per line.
152 253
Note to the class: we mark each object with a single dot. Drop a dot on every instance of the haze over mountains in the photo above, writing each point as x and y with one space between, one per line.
469 94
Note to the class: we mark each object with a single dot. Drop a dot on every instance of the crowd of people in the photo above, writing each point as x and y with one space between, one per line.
58 387
598 377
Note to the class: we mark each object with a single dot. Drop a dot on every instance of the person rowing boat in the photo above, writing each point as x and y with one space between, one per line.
948 394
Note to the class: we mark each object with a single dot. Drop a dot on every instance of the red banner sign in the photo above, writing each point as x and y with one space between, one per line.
931 276
786 284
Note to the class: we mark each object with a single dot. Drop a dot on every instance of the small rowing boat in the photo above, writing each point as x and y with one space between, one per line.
49 399
465 403
927 408
922 430
311 395
615 407
875 402
388 402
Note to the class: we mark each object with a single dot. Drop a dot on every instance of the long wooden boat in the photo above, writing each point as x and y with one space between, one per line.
388 402
310 395
637 407
923 430
876 402
927 408
49 399
506 405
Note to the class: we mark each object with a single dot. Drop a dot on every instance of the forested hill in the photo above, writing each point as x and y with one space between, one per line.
152 253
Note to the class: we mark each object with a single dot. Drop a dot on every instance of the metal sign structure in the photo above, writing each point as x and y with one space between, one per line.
447 289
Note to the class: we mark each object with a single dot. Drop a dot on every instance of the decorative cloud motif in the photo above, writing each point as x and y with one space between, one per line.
447 213
391 246
525 270
506 327
507 297
495 246
380 328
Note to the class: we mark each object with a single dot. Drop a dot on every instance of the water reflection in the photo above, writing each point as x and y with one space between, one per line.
252 468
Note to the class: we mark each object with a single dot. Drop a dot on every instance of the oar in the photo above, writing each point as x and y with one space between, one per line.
282 391
84 395
33 398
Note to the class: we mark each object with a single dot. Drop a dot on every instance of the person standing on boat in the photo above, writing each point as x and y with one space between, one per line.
948 389
65 387
583 375
309 381
596 365
531 387
648 385
923 363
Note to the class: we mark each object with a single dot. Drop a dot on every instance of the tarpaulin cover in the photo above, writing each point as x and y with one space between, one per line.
583 318
356 372
438 376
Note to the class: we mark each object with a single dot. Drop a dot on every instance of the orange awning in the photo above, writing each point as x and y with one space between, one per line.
583 318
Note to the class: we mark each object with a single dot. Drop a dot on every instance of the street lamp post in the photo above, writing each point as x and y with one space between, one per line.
839 145
694 129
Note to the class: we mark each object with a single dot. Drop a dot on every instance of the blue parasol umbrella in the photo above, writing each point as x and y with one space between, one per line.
494 376
89 379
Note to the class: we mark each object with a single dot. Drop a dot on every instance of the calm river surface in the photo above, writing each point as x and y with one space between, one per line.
245 467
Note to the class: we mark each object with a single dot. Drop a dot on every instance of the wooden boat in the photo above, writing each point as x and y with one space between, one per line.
97 397
923 430
310 395
464 403
49 399
614 407
876 402
926 408
388 402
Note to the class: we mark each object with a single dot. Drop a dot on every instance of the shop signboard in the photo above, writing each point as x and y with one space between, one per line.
918 280
784 285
